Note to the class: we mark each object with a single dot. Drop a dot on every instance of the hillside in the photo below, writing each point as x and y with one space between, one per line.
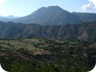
7 18
84 31
43 55
86 17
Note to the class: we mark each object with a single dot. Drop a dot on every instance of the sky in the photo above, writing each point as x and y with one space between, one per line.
25 7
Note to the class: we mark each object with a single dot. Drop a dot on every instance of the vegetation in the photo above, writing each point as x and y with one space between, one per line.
43 55
83 31
60 41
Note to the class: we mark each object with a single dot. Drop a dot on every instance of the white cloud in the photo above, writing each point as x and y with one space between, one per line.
90 6
2 2
94 2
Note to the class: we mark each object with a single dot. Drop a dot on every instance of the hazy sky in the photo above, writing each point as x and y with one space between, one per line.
25 7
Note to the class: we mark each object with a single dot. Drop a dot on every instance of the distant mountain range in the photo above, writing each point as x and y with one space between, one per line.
52 23
53 15
86 17
7 18
84 31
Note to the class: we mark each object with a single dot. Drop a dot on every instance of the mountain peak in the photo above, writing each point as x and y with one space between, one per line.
50 15
53 8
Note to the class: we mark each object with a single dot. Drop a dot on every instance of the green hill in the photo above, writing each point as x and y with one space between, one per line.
47 55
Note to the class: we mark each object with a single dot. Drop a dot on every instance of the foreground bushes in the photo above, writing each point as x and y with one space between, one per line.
26 66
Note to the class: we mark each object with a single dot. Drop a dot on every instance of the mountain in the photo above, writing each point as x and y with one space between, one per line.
1 16
11 17
52 15
4 19
84 31
86 17
7 18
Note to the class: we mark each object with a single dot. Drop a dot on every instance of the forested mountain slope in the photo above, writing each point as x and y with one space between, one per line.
84 31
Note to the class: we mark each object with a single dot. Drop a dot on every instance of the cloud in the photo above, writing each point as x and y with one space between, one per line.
94 2
90 6
2 2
